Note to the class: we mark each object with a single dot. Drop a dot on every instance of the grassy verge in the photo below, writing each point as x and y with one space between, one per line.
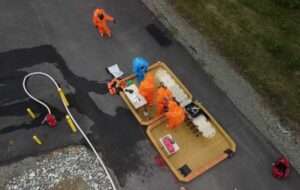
262 40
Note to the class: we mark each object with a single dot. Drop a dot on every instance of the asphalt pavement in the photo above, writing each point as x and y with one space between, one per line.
58 37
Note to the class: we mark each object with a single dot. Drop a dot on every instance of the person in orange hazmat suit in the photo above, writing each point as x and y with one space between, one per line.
175 115
147 88
100 19
163 95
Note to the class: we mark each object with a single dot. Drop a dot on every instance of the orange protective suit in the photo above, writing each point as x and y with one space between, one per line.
163 95
100 18
175 115
147 88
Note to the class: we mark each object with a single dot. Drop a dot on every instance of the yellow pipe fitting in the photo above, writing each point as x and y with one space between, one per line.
71 124
37 140
63 97
31 113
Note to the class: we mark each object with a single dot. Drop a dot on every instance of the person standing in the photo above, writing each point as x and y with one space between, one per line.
140 67
147 88
163 95
100 19
175 115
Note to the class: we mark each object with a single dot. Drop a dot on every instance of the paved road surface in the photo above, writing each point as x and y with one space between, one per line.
58 37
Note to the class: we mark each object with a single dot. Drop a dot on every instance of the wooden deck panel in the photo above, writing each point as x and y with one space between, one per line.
139 113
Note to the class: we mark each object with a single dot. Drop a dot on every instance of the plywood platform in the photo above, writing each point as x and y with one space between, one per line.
139 113
197 152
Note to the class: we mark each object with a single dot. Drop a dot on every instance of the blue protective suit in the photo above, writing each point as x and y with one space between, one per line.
140 67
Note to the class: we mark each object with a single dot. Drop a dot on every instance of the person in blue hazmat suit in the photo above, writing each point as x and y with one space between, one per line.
140 67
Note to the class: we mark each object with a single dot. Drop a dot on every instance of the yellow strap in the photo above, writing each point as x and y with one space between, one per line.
63 97
71 124
37 140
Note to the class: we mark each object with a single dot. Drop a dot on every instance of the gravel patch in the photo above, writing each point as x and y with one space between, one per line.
55 170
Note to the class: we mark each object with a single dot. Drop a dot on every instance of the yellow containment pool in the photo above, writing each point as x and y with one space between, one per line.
190 149
196 153
139 113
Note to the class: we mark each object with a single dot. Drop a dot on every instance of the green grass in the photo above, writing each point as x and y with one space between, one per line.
262 40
